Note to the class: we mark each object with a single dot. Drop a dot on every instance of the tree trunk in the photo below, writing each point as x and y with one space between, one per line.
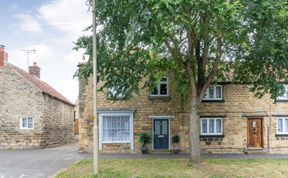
194 133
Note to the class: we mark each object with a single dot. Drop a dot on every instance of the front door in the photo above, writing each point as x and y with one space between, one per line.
161 133
255 132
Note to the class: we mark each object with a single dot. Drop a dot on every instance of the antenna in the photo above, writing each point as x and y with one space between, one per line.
28 51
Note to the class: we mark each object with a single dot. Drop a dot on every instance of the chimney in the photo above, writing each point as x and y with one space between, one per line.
34 70
3 56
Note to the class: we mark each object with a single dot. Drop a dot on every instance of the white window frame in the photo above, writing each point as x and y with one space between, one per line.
158 87
284 132
113 92
116 113
214 90
26 128
285 95
208 120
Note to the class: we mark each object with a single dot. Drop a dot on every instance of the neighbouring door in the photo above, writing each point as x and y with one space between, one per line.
255 132
161 133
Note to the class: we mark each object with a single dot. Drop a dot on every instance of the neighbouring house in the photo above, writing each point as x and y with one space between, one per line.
32 113
232 120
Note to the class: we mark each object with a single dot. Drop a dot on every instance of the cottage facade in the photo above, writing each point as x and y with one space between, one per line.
232 120
32 113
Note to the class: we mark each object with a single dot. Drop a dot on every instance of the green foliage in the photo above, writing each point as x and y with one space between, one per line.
176 139
145 138
149 39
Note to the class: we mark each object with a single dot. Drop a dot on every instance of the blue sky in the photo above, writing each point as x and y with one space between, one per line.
50 27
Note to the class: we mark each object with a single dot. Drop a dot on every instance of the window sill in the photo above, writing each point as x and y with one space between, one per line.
213 101
282 101
281 135
116 99
124 142
211 136
164 98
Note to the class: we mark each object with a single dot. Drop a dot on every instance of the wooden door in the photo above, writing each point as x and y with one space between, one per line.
161 134
255 132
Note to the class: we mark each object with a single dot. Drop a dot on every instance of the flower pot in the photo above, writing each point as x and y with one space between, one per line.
144 150
176 150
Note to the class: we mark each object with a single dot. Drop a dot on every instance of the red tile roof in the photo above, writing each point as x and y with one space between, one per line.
46 88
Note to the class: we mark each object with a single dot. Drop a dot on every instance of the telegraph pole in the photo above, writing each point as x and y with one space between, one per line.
28 51
95 125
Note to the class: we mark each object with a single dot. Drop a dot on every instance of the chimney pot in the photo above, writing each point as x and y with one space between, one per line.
34 70
3 56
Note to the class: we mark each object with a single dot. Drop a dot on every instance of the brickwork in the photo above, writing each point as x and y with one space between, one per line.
238 104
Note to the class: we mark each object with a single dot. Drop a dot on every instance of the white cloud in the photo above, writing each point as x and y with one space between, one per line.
29 23
70 16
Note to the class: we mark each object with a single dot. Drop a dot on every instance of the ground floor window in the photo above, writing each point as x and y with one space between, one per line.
211 126
26 123
116 128
282 125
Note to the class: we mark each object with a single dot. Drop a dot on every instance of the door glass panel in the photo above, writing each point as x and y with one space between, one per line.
280 125
218 125
157 127
204 125
211 126
164 127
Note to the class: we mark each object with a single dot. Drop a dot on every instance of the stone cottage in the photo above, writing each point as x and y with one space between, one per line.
232 120
32 113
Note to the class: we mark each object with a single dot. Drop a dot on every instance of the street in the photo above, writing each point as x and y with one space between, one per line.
40 163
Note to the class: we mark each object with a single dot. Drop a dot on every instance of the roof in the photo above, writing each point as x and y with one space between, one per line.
44 87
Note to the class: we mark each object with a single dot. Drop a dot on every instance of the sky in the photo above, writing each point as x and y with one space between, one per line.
50 27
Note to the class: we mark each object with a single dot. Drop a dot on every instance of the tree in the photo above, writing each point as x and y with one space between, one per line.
200 41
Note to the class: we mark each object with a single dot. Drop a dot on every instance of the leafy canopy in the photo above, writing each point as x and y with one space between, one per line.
199 41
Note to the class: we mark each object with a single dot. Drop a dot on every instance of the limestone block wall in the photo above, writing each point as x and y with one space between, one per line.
18 98
58 127
238 104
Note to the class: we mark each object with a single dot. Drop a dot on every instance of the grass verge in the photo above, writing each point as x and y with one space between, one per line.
160 168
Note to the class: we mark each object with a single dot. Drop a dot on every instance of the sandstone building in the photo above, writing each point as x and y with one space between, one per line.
32 113
232 120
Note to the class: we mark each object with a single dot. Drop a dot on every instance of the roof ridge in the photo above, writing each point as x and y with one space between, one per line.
43 86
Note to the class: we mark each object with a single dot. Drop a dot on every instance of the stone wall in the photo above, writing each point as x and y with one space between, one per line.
58 122
19 98
238 104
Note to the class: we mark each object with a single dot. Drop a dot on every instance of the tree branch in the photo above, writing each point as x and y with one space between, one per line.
212 74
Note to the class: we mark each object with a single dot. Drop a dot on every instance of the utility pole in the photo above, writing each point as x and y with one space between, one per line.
28 51
95 125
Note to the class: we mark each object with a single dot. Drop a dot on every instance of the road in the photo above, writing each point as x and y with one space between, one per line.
40 163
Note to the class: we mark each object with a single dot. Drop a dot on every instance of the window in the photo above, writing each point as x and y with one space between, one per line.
112 93
211 126
282 125
27 123
161 89
116 127
285 95
214 92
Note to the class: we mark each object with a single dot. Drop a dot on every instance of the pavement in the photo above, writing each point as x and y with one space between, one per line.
45 163
40 163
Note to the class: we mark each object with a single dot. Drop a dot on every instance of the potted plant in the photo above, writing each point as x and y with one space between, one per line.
175 142
144 139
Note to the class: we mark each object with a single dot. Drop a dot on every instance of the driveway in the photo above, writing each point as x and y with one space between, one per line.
40 163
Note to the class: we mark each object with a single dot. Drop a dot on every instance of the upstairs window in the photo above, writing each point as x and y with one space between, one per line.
26 123
161 89
112 93
282 125
285 95
211 126
214 92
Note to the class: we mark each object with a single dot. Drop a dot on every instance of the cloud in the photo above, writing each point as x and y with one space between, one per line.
29 23
69 16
